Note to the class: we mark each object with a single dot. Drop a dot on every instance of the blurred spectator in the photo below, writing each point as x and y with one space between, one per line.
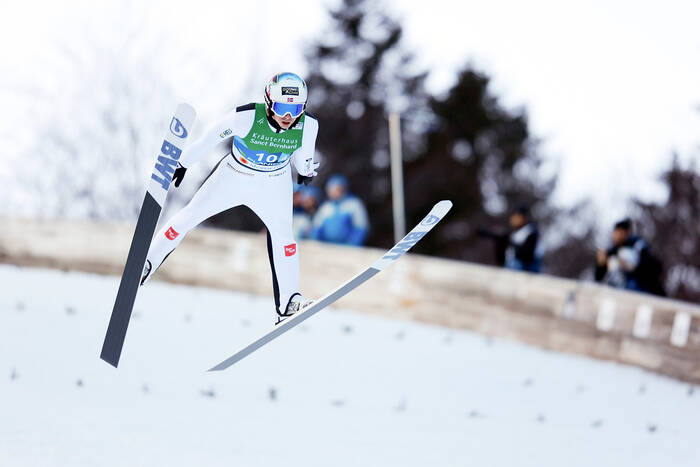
296 199
519 248
298 214
306 200
342 218
628 263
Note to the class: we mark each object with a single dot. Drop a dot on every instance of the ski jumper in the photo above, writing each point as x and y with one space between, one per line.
255 173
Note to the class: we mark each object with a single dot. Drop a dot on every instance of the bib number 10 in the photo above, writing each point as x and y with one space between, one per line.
267 158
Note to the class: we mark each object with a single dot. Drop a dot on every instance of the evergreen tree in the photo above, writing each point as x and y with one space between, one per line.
464 146
358 73
480 155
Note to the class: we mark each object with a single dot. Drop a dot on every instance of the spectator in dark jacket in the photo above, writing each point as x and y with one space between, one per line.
519 248
628 263
523 252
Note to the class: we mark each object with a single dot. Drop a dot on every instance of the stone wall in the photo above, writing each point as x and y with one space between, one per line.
568 316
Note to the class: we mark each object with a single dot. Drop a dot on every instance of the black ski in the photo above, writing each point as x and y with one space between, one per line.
166 162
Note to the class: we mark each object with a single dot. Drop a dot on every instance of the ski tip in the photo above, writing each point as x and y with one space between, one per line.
186 112
442 207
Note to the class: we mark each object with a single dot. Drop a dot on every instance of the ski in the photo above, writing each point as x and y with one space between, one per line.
435 215
157 189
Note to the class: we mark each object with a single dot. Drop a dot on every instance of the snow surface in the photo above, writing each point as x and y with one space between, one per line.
343 389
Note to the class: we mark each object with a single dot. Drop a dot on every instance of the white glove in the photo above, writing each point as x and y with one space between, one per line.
309 168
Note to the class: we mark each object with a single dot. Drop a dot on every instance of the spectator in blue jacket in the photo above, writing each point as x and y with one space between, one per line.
342 218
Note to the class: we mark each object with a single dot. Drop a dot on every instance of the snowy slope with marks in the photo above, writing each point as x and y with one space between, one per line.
343 389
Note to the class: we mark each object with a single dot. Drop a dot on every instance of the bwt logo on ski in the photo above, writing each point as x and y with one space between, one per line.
178 129
404 245
171 234
289 250
167 163
430 220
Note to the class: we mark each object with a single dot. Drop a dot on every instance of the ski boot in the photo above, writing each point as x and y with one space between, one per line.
146 272
295 304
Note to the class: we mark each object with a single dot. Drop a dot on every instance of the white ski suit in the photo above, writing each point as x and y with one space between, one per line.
256 173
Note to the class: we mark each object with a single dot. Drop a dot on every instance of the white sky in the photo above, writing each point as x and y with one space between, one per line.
611 86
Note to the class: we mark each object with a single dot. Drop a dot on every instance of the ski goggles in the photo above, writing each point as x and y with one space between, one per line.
282 109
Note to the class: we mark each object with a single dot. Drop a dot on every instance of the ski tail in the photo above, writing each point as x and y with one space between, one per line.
157 190
436 214
121 313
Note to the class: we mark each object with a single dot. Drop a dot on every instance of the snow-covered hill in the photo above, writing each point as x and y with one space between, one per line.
343 389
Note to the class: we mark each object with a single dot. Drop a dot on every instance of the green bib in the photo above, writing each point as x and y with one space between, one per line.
264 150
